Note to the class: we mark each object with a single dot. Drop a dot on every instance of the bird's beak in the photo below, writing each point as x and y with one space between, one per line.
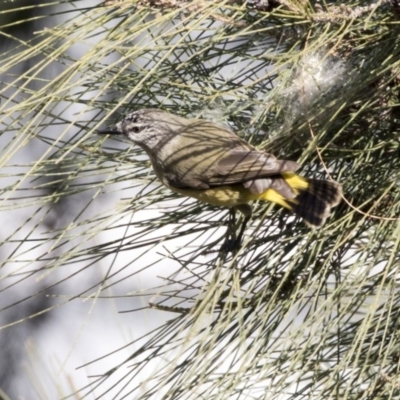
109 131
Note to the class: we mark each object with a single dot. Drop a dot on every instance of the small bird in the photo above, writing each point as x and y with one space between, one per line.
201 159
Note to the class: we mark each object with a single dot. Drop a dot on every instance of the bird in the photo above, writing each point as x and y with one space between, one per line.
201 159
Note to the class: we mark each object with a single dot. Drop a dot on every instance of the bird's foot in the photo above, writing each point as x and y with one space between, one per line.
231 246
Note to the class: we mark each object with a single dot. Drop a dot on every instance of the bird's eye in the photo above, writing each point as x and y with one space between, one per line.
135 129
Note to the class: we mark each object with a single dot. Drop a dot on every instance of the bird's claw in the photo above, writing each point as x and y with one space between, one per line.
231 246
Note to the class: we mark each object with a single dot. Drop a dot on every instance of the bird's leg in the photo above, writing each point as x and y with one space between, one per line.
233 245
230 236
242 229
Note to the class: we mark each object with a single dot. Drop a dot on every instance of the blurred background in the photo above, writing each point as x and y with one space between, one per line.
112 287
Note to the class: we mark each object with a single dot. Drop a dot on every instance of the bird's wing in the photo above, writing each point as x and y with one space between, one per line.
247 166
205 155
244 165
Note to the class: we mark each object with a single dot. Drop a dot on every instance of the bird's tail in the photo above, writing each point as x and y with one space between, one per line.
313 198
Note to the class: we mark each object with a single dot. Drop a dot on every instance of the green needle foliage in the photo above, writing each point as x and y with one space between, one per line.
297 313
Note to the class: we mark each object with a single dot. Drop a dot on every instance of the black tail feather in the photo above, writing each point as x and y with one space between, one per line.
314 203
